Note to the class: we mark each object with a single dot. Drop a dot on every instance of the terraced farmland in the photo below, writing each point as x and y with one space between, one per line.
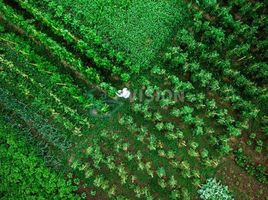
195 122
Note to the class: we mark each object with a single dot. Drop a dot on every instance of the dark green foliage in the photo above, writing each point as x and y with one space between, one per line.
23 175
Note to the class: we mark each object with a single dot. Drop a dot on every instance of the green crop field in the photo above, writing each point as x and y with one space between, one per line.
193 123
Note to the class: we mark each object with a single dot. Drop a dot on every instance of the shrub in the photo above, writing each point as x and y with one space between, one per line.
213 190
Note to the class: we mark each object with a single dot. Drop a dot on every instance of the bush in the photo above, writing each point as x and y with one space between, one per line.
214 190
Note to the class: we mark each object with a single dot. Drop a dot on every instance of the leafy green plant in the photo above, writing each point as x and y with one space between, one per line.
214 190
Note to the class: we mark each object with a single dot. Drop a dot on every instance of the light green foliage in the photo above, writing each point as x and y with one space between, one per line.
214 190
138 28
142 29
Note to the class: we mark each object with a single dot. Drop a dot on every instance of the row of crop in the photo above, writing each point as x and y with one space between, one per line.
161 120
79 44
228 51
167 128
50 75
58 51
251 13
171 163
208 81
89 35
157 160
42 99
241 52
123 163
225 19
93 162
169 103
117 146
200 100
157 117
